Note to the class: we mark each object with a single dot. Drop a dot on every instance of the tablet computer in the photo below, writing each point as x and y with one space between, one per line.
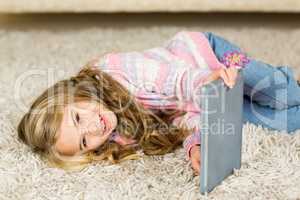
221 131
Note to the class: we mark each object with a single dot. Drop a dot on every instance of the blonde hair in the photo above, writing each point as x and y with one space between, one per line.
154 132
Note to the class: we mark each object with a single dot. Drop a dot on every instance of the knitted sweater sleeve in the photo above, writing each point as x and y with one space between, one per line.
192 121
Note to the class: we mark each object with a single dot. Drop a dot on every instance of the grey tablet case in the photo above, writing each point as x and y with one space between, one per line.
221 131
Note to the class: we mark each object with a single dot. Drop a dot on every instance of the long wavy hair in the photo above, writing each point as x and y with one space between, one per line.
153 131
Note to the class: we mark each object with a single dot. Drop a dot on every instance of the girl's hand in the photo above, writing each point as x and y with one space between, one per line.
195 159
229 75
123 140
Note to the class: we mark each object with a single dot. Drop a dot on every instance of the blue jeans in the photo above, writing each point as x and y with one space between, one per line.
271 94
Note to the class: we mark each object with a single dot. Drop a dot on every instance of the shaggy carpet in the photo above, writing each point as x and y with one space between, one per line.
37 50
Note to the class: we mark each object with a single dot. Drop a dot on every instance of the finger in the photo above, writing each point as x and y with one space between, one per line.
196 165
232 73
224 76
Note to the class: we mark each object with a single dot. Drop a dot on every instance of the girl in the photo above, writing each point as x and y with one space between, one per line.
122 102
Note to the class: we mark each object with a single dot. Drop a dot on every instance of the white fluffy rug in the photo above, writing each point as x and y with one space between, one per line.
60 46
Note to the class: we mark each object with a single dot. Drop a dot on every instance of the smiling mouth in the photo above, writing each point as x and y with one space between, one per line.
103 124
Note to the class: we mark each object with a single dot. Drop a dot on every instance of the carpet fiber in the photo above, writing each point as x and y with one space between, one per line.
38 50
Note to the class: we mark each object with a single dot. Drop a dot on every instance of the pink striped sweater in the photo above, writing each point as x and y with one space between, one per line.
167 76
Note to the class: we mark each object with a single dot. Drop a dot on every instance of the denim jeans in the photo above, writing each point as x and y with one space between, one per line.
271 94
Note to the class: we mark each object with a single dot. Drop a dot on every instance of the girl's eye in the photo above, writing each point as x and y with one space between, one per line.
77 117
84 142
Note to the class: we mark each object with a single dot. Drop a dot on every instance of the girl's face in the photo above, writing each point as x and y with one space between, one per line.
85 126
